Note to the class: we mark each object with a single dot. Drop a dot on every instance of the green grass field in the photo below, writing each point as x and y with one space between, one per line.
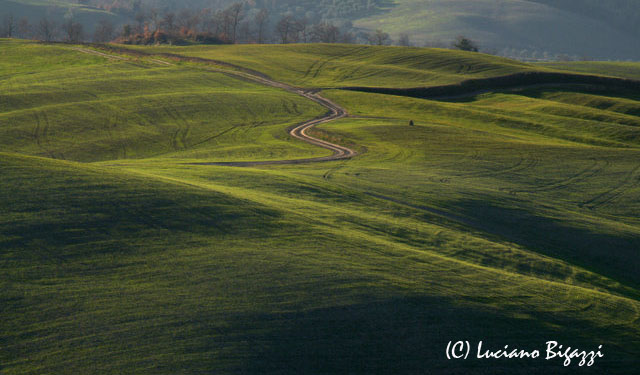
81 108
333 65
630 70
508 217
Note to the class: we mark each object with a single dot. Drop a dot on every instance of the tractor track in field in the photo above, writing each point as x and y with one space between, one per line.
630 181
299 131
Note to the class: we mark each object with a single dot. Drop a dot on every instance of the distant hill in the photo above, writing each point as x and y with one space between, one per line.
522 29
518 28
57 10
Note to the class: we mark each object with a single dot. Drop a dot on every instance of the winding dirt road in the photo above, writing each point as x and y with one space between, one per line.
300 132
334 112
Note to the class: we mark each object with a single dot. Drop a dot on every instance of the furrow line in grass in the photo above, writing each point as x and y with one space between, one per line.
271 199
335 112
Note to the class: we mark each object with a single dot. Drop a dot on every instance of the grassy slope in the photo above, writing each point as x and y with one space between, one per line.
194 272
316 65
629 70
85 108
475 163
517 24
370 265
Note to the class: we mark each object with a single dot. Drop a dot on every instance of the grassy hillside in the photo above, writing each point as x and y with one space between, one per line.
69 105
330 65
513 27
630 70
508 217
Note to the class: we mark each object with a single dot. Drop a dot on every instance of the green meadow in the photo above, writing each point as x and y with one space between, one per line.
509 217
331 66
630 70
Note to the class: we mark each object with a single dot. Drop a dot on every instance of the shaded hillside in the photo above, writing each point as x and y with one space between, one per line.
509 217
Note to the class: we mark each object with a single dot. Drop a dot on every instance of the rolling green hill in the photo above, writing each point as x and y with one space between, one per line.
507 216
339 65
630 70
87 109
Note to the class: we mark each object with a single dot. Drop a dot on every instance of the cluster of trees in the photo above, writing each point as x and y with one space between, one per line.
251 21
207 21
333 10
237 23
46 29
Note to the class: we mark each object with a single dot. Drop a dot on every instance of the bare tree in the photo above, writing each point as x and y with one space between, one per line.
244 32
154 17
141 20
325 33
126 31
219 21
73 31
404 40
207 21
24 29
348 38
261 20
187 20
233 15
46 29
289 29
284 27
8 26
168 22
302 26
104 31
379 38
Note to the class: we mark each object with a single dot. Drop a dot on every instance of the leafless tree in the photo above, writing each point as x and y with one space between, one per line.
73 31
233 15
379 38
325 33
168 22
290 30
207 21
284 27
104 31
126 31
154 17
46 29
219 22
8 26
24 29
261 20
141 20
303 33
187 20
404 40
348 38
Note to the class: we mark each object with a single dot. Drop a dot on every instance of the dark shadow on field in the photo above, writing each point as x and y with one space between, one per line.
410 335
512 82
615 256
536 91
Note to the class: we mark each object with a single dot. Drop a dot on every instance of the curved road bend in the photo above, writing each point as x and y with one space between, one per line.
299 131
